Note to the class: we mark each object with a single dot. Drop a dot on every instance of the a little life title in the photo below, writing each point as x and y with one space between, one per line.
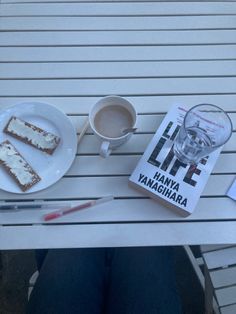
161 183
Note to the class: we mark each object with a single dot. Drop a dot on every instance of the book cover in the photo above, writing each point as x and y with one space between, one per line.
161 175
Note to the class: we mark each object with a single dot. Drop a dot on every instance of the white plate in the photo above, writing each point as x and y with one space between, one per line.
49 168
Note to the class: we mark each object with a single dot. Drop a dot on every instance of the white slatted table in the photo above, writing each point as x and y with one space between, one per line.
154 54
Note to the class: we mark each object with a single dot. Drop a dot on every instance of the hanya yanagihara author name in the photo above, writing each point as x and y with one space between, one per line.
164 186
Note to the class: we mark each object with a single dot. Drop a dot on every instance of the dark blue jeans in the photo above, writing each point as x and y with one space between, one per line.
111 281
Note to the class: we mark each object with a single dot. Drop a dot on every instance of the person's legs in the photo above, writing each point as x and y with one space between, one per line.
142 281
40 256
70 281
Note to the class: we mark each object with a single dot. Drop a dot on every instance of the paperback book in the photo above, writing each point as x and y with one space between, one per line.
161 175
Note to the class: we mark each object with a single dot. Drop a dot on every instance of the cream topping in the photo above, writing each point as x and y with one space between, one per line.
43 140
18 166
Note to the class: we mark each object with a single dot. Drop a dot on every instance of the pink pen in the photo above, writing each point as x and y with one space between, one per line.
63 212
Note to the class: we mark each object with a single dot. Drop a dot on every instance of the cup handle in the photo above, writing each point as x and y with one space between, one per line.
104 149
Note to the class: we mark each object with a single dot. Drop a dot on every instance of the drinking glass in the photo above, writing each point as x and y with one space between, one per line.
205 128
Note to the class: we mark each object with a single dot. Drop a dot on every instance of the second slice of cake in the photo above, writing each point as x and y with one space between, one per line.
32 135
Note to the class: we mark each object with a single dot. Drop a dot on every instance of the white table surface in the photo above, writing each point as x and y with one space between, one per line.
154 54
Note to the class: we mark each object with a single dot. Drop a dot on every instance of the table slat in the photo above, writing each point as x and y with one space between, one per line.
126 9
143 104
116 235
133 69
103 38
116 23
139 86
94 187
128 210
116 53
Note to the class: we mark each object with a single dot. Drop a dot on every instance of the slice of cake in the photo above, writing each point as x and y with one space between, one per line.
32 135
17 167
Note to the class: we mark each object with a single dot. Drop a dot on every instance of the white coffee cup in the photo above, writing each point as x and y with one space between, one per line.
108 118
